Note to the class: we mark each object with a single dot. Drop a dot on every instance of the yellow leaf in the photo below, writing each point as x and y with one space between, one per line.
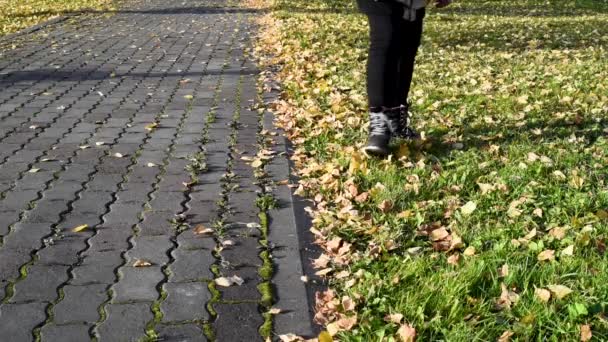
80 228
568 251
468 208
151 126
560 291
256 163
324 336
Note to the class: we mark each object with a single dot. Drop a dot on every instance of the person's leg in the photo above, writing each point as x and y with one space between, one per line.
380 36
410 34
407 38
381 59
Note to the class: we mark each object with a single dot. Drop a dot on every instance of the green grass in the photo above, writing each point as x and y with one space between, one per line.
16 15
508 94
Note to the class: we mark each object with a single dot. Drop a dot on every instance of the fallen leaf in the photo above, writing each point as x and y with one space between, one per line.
348 304
237 280
439 234
151 127
406 333
506 336
202 230
290 338
542 294
34 170
188 97
223 281
568 251
394 318
503 271
586 332
468 208
558 233
257 163
118 155
347 323
150 165
274 311
559 291
469 251
385 206
80 228
453 259
324 336
547 255
141 263
538 212
99 143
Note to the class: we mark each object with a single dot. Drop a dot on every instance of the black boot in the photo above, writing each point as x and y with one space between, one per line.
379 135
399 122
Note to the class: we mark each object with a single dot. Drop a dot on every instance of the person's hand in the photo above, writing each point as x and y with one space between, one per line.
442 3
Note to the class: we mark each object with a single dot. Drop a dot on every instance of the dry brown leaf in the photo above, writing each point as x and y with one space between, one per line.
503 271
322 261
546 255
406 333
538 212
347 323
202 230
453 259
586 332
348 304
394 318
542 294
558 233
506 336
439 234
385 206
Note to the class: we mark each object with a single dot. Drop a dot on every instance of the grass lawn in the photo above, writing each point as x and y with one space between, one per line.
19 14
495 225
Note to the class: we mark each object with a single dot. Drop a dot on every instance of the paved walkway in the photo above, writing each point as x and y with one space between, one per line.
136 126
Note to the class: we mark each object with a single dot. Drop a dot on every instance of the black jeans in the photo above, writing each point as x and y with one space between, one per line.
394 43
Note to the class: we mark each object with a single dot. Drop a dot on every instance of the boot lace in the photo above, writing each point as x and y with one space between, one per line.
377 124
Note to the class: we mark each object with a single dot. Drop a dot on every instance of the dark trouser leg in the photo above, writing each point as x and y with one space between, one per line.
379 60
409 37
394 43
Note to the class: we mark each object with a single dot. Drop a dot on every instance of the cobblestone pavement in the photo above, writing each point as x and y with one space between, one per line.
143 126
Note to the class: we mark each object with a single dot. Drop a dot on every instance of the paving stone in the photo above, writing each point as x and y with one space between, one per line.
117 328
97 268
137 284
181 333
245 316
185 302
150 248
79 304
191 265
40 284
18 320
66 333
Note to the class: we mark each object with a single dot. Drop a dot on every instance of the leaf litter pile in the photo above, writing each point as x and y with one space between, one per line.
16 15
493 226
